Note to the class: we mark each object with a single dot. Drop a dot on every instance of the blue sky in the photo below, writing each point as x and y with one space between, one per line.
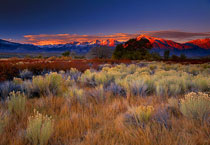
101 17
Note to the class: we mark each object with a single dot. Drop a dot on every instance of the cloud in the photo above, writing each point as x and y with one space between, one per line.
46 39
178 36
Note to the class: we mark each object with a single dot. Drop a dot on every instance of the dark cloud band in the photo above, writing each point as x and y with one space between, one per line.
45 39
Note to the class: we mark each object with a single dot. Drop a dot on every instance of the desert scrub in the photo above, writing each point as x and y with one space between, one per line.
56 83
17 81
88 78
103 78
196 105
41 85
75 94
7 87
133 87
172 83
50 84
74 74
26 74
17 102
139 116
3 121
201 83
39 129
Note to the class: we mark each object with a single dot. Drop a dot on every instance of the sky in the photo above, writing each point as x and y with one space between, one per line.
43 22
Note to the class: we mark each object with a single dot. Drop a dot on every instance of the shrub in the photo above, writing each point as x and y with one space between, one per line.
7 87
41 85
103 78
28 89
16 102
26 74
116 89
39 129
139 115
56 83
88 78
138 88
196 105
17 81
74 74
133 87
50 84
75 94
171 85
201 83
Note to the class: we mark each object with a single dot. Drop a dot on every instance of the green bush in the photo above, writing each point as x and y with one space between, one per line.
196 105
16 102
39 129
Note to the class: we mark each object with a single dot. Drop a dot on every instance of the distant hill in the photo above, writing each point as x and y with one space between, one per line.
78 47
6 46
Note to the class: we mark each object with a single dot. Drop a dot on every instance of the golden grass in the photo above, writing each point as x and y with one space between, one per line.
102 123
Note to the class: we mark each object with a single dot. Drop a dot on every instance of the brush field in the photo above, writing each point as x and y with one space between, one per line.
104 102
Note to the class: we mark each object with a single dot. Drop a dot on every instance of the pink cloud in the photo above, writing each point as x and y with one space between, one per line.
45 39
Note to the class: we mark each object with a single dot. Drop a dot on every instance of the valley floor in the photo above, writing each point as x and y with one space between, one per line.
111 103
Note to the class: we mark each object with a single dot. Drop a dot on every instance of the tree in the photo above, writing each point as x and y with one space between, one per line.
40 56
156 56
174 57
132 49
166 54
153 56
183 56
66 53
101 52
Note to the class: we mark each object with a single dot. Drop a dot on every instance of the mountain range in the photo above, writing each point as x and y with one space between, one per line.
169 44
194 48
74 46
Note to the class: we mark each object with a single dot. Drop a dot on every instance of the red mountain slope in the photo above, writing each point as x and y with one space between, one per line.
163 43
202 43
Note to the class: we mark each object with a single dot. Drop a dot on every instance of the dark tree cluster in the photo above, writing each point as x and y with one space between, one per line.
133 49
